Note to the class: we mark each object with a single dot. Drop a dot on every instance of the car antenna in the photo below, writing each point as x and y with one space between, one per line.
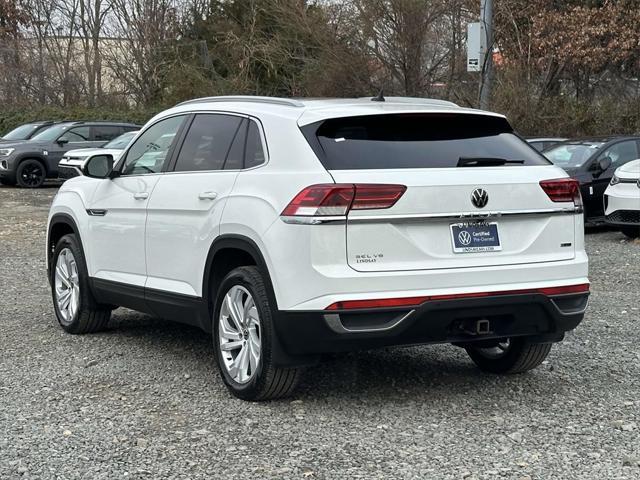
380 97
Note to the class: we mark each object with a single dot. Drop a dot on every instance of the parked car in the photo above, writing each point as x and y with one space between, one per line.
72 162
293 228
622 199
28 163
26 131
543 143
592 162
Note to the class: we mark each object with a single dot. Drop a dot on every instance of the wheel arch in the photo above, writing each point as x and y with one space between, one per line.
227 252
60 224
32 156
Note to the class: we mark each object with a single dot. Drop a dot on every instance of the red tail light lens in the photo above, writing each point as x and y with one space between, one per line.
415 301
563 190
336 199
324 200
371 197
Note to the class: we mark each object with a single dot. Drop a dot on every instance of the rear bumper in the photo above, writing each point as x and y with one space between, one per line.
540 317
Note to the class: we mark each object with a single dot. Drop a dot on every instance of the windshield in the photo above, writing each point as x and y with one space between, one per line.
418 141
51 133
572 155
121 142
23 132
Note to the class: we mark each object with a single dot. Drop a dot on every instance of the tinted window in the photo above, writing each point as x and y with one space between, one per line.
207 143
235 159
417 141
149 151
77 134
254 154
51 133
539 146
23 132
572 155
105 132
121 142
621 153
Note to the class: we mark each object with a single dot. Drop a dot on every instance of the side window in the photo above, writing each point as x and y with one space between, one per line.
621 153
77 134
207 142
149 152
254 154
235 158
104 133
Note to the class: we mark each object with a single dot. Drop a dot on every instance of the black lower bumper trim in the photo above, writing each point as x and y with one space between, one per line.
460 321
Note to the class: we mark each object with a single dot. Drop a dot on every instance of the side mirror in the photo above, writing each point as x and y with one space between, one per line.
98 166
62 140
604 163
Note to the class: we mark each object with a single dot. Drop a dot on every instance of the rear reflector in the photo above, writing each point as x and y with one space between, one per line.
337 199
416 301
563 190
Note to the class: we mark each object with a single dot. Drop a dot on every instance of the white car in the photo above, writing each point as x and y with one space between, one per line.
622 199
293 228
71 163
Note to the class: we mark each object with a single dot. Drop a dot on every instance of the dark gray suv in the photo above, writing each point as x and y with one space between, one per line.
28 163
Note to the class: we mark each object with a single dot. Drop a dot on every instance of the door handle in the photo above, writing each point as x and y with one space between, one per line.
141 195
207 195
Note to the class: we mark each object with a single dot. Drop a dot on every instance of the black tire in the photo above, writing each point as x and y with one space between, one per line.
31 173
631 232
520 356
6 181
267 381
89 316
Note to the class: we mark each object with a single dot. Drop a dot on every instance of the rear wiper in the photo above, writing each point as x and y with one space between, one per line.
485 161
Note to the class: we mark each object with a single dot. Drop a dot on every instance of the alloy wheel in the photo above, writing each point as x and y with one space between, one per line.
32 174
67 285
239 334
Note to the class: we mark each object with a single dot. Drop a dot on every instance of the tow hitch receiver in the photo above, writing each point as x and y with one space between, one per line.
475 327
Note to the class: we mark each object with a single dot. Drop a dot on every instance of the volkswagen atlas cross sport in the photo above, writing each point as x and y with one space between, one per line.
294 228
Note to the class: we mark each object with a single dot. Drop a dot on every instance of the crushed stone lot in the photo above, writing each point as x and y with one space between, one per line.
144 400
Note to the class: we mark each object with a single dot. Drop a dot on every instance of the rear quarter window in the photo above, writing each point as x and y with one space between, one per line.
415 141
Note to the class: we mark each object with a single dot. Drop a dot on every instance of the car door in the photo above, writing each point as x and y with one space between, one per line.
118 209
186 206
72 139
619 154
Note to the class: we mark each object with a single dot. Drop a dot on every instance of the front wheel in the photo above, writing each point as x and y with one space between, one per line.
244 338
76 309
30 174
510 355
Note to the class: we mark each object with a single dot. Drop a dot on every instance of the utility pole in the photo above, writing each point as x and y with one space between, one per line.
486 20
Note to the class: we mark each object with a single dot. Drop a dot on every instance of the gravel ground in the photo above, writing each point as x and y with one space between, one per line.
144 399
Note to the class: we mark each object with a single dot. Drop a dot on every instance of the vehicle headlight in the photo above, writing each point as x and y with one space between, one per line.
615 180
5 152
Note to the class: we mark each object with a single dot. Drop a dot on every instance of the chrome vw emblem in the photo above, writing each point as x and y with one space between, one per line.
480 198
464 238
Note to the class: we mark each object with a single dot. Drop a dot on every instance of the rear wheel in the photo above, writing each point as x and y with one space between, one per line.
76 309
243 336
511 355
30 174
631 232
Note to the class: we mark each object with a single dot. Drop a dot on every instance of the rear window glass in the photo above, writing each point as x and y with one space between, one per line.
416 141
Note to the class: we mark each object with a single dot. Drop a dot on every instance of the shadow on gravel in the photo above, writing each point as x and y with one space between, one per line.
385 375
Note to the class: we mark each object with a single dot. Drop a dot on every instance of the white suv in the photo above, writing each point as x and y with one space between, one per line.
293 228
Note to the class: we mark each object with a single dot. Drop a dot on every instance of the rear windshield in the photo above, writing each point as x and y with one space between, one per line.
416 141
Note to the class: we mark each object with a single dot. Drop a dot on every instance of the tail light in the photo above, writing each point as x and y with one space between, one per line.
337 199
563 190
416 301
